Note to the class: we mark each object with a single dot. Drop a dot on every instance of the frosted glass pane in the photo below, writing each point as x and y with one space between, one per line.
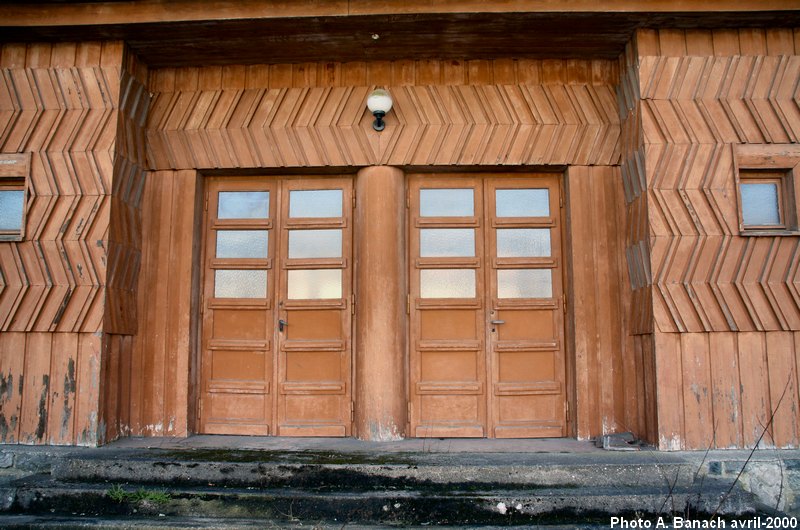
315 203
525 283
315 284
315 244
447 283
459 202
240 284
11 203
243 205
533 202
242 243
447 242
523 242
760 204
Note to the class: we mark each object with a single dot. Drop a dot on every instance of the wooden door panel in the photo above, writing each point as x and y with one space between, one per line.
314 361
276 348
526 354
448 358
491 365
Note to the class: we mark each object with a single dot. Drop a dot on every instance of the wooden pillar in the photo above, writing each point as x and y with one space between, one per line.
380 395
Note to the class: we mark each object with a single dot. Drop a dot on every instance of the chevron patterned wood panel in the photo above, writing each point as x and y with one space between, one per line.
79 109
701 94
222 118
67 105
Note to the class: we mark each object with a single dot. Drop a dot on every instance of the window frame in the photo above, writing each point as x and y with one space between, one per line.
14 176
778 164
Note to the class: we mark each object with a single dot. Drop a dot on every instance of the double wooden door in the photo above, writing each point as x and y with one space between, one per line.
276 349
486 305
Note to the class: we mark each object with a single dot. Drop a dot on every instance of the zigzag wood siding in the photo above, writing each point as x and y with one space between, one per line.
64 291
508 112
702 93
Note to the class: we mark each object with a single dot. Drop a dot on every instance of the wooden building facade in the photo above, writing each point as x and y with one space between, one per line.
575 222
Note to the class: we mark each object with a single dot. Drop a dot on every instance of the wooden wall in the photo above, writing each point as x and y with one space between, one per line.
67 291
504 112
609 386
726 314
510 112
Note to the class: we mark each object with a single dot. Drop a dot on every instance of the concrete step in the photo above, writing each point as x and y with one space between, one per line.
363 472
461 503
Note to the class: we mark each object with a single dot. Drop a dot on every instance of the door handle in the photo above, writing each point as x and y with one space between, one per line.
282 324
496 322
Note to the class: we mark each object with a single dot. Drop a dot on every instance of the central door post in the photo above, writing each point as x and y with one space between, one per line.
380 394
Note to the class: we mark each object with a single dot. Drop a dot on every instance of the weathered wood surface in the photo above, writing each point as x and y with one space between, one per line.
606 367
482 113
187 33
725 310
80 114
79 110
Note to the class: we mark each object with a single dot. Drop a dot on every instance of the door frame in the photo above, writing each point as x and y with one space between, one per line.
567 328
195 393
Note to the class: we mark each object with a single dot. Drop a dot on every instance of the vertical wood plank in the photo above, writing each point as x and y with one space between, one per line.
582 326
782 387
672 42
504 71
454 72
379 73
479 72
257 76
754 386
699 42
725 394
647 42
87 399
697 389
428 72
752 41
280 75
354 74
178 323
63 54
12 366
13 55
670 391
36 388
329 74
726 42
780 41
38 55
403 72
61 416
553 71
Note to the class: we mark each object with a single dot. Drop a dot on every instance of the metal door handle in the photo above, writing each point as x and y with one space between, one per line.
282 324
495 322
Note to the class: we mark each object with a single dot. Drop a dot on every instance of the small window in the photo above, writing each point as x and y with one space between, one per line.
12 208
767 201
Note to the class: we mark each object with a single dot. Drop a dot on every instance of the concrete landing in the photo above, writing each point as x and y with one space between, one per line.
277 482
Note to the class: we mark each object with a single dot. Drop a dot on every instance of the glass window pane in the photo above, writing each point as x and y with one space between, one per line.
11 204
242 243
240 284
447 242
315 244
532 202
315 203
447 283
760 203
459 202
315 284
523 242
525 283
243 205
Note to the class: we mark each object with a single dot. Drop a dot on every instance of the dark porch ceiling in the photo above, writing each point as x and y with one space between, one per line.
420 35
